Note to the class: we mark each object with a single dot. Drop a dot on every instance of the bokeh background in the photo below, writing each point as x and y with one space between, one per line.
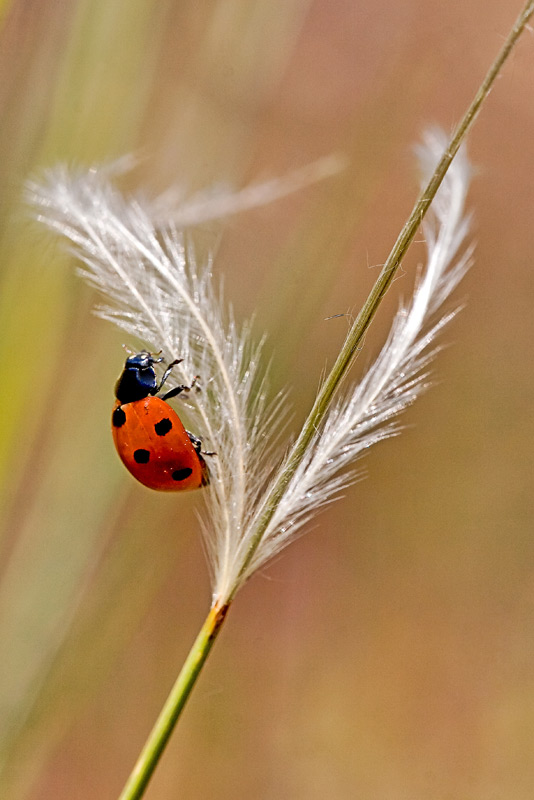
389 653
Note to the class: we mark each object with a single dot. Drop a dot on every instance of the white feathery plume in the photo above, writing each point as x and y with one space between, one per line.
135 254
219 202
364 414
158 293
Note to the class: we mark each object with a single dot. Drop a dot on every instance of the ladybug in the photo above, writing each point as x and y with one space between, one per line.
148 434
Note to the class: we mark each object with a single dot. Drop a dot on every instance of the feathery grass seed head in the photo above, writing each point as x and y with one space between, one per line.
136 255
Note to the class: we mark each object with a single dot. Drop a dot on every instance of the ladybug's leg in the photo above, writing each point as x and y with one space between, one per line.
179 389
166 375
196 441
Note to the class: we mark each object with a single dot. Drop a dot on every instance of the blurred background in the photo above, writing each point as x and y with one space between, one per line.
389 653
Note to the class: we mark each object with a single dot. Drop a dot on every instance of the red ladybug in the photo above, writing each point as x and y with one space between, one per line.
148 434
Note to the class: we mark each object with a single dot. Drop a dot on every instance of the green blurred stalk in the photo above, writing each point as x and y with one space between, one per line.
81 86
68 91
4 8
160 734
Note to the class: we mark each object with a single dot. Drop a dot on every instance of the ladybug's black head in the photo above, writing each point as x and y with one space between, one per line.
142 360
138 378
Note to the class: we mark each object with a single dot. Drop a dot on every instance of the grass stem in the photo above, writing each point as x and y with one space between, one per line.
160 733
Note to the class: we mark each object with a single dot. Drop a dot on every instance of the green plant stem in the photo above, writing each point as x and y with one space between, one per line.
174 704
160 733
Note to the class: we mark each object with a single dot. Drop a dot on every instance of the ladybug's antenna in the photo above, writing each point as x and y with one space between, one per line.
153 356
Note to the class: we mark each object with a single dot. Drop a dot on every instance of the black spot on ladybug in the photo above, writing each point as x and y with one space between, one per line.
181 474
119 418
141 456
163 426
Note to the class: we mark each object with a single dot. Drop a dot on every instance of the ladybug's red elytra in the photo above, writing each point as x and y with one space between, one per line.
148 434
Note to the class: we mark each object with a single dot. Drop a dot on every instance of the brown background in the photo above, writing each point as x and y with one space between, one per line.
389 653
